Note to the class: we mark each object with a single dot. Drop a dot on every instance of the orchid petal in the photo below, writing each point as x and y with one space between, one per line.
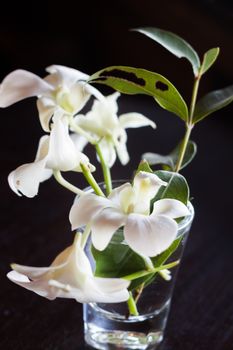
79 141
19 85
108 151
113 290
38 287
121 149
116 194
26 178
94 92
149 235
146 185
86 208
70 276
135 120
67 74
62 154
104 225
77 97
171 208
46 108
32 272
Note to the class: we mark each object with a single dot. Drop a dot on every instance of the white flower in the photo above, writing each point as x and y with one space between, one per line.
64 88
129 206
57 151
70 276
102 122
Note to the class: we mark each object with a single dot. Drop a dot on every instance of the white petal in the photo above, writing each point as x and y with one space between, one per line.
149 235
86 207
135 120
104 225
21 84
108 151
77 97
93 91
27 177
146 185
112 102
90 123
121 149
62 154
79 141
30 271
46 108
110 290
116 194
39 287
67 74
171 208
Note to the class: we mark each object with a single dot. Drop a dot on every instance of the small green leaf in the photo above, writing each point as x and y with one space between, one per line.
209 58
132 81
169 161
177 186
173 43
144 166
212 102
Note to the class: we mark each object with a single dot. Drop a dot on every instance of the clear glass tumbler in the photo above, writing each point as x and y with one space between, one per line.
109 326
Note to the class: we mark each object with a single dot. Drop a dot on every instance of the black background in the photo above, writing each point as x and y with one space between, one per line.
90 36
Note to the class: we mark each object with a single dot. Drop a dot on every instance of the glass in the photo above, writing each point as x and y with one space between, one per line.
108 326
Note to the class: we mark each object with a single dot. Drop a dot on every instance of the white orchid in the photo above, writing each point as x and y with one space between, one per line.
129 206
64 88
103 123
70 276
57 151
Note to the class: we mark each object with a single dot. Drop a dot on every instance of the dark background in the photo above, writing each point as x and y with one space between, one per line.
90 36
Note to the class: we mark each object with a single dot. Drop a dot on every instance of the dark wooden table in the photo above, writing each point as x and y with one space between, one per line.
33 231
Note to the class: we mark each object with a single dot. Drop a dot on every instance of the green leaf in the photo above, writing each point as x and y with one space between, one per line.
169 161
132 81
212 102
209 58
173 43
177 186
117 260
157 261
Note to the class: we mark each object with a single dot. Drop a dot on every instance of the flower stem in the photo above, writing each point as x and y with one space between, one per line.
60 179
139 292
132 305
183 148
189 124
91 180
106 170
142 273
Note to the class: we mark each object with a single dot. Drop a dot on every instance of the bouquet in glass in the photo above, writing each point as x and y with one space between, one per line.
129 234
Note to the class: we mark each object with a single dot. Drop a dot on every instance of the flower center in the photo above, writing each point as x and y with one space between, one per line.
62 97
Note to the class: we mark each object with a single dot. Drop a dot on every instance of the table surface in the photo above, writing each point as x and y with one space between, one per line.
33 231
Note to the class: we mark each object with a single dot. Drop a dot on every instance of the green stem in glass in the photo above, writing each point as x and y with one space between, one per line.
91 180
60 179
132 305
142 273
105 169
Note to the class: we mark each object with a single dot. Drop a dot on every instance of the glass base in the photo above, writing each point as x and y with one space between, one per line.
106 330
